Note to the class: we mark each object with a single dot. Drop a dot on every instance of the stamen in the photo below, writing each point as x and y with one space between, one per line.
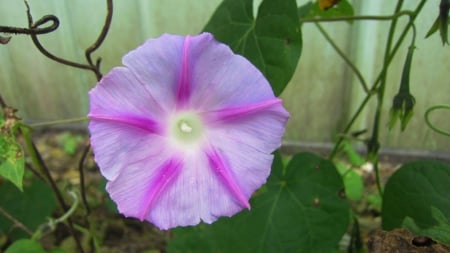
185 127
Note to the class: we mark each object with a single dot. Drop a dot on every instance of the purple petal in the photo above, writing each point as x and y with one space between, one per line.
151 126
248 166
222 170
137 189
221 78
157 64
116 145
260 126
237 113
184 86
197 193
119 92
229 124
166 175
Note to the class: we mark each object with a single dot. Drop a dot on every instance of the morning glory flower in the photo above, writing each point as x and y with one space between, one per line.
184 131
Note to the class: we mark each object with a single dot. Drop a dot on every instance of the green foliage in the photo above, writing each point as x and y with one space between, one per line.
311 10
353 157
31 207
25 246
12 160
70 142
375 201
271 41
353 182
300 211
439 232
412 190
30 246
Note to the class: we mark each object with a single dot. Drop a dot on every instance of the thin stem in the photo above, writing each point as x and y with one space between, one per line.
373 144
400 40
427 118
39 162
58 122
44 51
82 181
358 18
349 126
15 222
344 57
99 41
53 222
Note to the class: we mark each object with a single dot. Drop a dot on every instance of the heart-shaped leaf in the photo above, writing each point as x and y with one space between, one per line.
271 41
412 190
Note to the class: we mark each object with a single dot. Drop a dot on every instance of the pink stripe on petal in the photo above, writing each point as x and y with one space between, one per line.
236 113
166 175
218 165
184 88
131 120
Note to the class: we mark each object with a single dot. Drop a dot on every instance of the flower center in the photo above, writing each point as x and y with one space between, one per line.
186 128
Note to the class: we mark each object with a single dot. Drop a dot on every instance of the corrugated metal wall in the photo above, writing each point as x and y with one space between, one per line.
321 97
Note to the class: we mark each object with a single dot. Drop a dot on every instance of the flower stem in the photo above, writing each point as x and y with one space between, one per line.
358 18
59 122
344 57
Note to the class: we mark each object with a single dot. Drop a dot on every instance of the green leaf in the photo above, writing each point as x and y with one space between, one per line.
31 207
412 190
353 156
375 201
12 162
342 9
25 246
304 10
439 233
353 182
300 211
271 41
70 142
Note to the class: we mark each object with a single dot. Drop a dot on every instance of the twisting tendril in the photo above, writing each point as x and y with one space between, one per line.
36 29
431 125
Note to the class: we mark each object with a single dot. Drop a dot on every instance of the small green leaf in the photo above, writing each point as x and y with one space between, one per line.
300 211
375 201
25 246
353 182
342 9
304 10
271 41
12 162
353 156
70 142
439 233
412 190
